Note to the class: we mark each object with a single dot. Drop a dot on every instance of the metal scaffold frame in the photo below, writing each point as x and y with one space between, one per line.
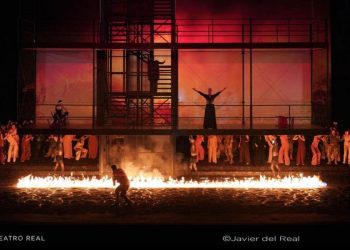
131 34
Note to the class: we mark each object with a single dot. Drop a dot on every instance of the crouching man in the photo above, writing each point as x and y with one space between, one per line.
120 176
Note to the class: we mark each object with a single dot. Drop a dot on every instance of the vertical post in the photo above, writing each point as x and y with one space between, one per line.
208 33
243 108
328 120
102 67
289 118
174 88
312 95
212 30
151 58
310 32
288 24
174 70
251 72
93 75
243 61
93 87
19 51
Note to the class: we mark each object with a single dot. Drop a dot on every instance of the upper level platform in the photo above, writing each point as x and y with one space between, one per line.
176 34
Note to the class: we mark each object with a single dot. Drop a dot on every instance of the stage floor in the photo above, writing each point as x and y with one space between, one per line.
180 206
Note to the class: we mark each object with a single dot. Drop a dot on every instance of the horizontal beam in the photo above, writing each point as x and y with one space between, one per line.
176 132
146 46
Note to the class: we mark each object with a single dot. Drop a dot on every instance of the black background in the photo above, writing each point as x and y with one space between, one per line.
333 234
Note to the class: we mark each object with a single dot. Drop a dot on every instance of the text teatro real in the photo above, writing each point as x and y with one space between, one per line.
24 238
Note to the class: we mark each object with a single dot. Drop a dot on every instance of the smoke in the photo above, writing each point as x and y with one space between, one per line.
147 156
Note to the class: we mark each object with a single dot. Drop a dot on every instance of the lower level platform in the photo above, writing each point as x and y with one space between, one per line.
257 129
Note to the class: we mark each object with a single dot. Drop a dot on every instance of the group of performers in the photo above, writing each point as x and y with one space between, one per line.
270 149
56 147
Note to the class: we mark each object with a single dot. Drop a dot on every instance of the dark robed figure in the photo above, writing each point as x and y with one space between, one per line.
209 116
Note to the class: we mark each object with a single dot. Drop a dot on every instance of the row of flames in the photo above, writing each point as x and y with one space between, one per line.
288 182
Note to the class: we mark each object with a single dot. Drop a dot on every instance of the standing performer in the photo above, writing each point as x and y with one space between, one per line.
212 148
334 126
284 151
244 153
334 140
346 139
59 160
301 149
193 157
67 146
93 146
120 176
291 146
326 148
274 161
153 74
259 150
199 147
26 148
316 153
60 115
269 139
209 117
12 152
228 142
220 148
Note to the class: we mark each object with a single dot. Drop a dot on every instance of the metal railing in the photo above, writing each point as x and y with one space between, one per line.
78 113
161 115
251 30
186 31
268 113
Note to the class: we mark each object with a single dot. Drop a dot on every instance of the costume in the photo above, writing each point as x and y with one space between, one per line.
212 148
93 146
26 149
301 149
269 139
67 146
316 153
228 144
209 116
244 153
80 151
346 156
199 147
12 152
259 150
193 156
283 157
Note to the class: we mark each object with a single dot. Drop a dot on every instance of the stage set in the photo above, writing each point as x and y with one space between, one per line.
126 83
127 68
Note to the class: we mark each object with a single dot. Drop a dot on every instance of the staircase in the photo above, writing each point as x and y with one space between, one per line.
126 25
117 31
164 83
162 9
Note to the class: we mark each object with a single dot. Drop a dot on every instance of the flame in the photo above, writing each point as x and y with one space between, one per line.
288 182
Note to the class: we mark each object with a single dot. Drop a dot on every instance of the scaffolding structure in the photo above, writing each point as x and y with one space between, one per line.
135 41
